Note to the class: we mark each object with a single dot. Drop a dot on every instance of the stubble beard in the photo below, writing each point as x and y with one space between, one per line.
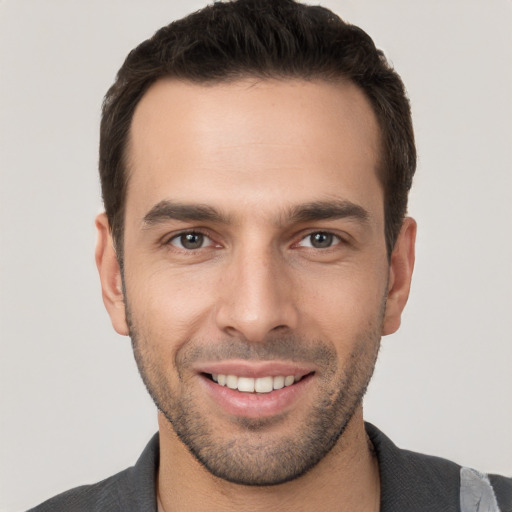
251 455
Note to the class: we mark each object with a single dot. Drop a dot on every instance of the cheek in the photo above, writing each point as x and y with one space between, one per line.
343 303
170 304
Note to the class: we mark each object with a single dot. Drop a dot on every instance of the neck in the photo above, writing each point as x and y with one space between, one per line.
347 479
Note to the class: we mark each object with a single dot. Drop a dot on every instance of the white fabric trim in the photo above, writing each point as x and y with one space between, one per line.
476 492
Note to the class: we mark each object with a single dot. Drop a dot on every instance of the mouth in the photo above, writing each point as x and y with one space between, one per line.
256 391
258 385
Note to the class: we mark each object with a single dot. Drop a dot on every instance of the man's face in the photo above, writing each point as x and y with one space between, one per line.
256 273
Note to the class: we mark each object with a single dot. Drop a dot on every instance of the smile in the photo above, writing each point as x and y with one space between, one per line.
255 385
256 389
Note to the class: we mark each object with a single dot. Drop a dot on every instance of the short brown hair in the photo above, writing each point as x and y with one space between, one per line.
227 41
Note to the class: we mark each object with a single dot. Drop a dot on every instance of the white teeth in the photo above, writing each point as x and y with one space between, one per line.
288 381
263 385
246 384
279 382
259 385
232 382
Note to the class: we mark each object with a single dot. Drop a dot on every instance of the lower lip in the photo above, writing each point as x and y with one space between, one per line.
256 405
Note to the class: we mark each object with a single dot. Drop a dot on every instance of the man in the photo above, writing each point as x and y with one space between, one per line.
255 160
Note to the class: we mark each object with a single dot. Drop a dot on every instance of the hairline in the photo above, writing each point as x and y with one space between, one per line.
339 79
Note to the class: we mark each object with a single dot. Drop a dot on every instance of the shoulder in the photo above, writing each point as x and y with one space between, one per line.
417 482
130 490
103 495
502 487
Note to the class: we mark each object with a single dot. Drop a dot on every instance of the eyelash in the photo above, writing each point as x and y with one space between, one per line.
333 239
196 232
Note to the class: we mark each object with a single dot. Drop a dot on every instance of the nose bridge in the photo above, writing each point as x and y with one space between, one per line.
257 296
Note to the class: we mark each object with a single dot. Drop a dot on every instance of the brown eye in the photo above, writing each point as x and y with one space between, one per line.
319 240
189 241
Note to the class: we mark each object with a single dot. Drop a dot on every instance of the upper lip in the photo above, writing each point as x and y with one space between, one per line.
254 369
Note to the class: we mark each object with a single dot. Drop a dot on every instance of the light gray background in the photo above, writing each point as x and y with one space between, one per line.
73 409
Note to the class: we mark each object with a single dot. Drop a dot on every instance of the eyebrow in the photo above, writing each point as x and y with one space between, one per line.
317 210
168 210
323 210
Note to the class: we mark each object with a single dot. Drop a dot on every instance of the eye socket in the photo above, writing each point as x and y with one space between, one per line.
319 240
190 241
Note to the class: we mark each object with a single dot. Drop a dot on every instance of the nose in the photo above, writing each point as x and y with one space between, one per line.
256 296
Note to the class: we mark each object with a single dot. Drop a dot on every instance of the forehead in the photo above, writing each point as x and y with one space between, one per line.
252 143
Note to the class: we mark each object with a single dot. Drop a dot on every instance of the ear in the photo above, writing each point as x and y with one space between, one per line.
110 275
400 274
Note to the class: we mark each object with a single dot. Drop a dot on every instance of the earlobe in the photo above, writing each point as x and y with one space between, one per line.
400 274
110 275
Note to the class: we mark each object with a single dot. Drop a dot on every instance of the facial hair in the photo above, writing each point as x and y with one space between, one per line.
251 454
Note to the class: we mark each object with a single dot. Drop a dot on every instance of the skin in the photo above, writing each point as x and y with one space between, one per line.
257 289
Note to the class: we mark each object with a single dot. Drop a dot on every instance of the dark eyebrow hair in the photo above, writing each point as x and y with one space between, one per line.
321 210
316 210
166 210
